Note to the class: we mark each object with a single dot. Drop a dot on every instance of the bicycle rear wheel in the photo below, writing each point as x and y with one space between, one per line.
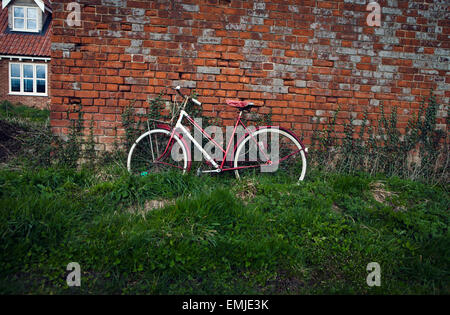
280 146
157 151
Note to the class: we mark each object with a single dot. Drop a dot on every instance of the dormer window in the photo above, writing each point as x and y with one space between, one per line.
25 19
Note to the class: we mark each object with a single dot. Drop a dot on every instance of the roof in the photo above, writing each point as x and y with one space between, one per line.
22 43
40 3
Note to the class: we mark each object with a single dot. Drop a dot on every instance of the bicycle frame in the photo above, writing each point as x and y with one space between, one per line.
218 168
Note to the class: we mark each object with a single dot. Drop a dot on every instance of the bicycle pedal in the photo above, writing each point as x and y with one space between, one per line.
199 172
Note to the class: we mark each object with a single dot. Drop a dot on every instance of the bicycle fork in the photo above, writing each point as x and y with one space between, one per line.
197 145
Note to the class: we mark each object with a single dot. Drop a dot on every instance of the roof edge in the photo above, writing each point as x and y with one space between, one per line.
39 3
6 56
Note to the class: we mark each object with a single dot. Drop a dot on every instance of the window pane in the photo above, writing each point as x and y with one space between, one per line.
40 86
28 86
27 71
40 72
19 23
15 70
31 13
19 12
15 85
31 24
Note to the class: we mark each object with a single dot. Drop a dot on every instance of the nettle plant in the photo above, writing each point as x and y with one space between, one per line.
421 152
40 147
160 111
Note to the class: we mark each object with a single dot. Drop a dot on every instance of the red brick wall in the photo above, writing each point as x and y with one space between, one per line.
300 59
33 101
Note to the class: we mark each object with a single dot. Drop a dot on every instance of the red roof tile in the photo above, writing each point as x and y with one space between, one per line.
24 44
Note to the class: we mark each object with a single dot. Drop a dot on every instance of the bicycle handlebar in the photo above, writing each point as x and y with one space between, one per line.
178 89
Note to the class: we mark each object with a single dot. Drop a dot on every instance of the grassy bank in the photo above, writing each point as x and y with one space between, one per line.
175 234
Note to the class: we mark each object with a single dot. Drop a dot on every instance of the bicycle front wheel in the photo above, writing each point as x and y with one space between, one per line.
280 147
157 151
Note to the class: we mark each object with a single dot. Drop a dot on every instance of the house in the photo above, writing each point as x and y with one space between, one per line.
25 46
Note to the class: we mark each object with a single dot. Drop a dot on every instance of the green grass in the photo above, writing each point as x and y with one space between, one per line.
215 235
23 112
262 235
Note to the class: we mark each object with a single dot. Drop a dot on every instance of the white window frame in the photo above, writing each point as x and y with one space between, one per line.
22 85
25 19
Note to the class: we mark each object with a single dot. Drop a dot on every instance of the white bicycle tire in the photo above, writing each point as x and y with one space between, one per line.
167 132
284 133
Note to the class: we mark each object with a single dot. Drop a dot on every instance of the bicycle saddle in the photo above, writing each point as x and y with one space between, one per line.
241 105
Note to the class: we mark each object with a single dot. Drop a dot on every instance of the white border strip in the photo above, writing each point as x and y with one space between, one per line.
11 57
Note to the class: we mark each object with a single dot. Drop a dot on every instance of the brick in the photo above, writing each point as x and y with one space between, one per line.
297 60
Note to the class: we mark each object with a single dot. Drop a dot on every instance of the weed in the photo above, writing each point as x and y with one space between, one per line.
379 147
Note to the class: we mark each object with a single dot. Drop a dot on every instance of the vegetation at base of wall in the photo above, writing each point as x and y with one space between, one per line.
12 111
422 153
27 130
376 146
160 110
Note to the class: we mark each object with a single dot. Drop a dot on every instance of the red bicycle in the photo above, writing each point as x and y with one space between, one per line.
267 148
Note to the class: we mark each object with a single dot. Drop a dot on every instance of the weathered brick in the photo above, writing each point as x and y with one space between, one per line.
208 70
300 61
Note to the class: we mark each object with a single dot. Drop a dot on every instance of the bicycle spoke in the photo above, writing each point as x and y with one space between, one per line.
283 152
153 154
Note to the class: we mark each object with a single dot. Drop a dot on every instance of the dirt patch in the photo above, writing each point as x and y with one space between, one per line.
287 284
10 144
335 208
384 196
151 205
247 190
380 193
157 204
